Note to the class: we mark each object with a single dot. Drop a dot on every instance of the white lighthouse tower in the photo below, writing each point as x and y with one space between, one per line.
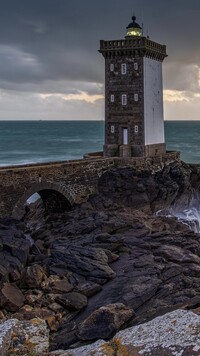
134 123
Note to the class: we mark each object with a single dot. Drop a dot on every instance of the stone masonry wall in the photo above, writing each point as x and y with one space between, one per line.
75 180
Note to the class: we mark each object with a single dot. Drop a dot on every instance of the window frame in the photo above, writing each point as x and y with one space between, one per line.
124 99
112 98
136 129
123 68
112 67
112 129
136 97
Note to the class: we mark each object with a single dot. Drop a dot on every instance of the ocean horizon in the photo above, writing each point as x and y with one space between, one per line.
39 141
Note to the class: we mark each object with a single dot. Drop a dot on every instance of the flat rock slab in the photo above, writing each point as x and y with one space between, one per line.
173 334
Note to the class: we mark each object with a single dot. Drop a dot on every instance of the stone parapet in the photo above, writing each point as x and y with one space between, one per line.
137 45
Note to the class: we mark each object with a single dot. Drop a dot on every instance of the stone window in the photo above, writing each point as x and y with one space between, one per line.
135 97
135 66
123 68
112 129
112 67
112 98
136 129
124 99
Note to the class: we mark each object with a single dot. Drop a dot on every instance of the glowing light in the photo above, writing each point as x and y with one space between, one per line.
134 32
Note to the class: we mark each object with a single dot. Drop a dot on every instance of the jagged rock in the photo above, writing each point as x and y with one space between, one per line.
56 307
154 259
33 276
178 254
53 322
18 248
27 313
56 284
14 250
86 261
33 296
64 339
104 322
72 301
145 190
62 286
11 298
4 274
88 288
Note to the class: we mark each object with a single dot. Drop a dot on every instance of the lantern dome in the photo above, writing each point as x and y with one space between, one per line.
134 29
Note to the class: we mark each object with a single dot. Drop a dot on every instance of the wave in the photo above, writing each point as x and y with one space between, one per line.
189 215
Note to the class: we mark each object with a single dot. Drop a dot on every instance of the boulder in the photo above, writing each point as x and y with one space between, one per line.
24 338
32 276
17 247
11 298
34 296
55 284
88 288
62 286
105 322
72 301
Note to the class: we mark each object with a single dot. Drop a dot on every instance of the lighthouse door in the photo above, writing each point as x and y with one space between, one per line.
125 136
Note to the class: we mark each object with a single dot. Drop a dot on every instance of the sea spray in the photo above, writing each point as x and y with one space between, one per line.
187 211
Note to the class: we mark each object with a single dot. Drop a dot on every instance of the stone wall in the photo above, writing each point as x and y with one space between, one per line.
75 180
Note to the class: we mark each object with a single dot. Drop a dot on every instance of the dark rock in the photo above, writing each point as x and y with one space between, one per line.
72 301
86 261
62 286
105 322
34 296
102 237
11 298
27 313
88 288
154 259
18 248
4 274
100 281
63 340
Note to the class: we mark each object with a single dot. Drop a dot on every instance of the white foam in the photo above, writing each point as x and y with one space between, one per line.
187 215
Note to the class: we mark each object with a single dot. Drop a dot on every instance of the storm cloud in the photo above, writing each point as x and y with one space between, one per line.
49 60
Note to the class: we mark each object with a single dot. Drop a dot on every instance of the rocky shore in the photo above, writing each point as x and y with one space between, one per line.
108 264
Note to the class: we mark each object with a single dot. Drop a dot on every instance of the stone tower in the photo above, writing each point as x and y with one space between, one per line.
134 124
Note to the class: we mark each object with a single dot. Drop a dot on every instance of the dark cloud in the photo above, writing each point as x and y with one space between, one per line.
52 45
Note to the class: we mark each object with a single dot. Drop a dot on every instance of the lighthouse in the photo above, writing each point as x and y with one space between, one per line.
134 122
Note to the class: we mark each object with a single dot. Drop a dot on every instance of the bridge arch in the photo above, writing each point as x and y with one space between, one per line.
50 193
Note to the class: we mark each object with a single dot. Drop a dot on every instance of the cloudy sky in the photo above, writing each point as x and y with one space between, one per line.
50 67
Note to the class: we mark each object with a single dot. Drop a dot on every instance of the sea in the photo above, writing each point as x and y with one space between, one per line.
23 142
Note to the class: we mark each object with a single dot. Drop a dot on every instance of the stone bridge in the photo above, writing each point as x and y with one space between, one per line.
61 184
